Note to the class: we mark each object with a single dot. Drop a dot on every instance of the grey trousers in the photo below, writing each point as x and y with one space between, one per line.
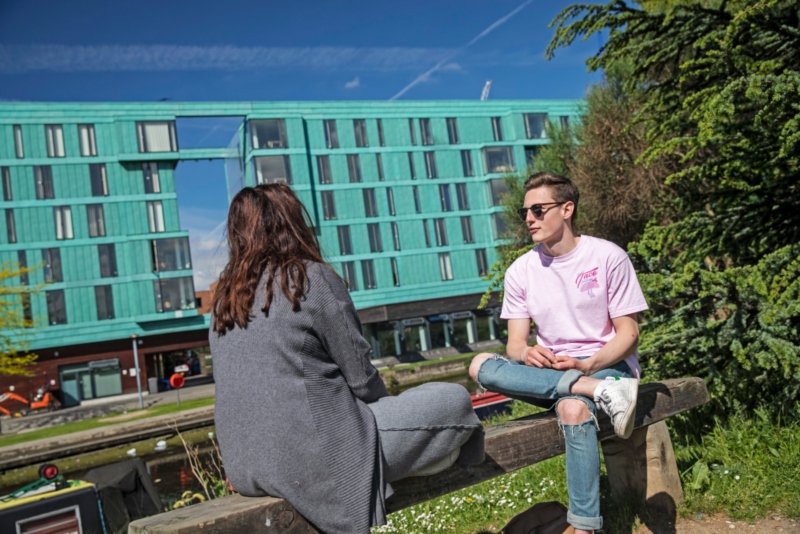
423 425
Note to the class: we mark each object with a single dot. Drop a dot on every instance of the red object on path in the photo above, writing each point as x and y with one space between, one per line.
176 381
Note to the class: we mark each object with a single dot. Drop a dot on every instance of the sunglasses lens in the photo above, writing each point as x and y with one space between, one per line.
523 213
537 210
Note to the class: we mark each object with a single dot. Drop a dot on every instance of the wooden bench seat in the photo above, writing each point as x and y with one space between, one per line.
642 467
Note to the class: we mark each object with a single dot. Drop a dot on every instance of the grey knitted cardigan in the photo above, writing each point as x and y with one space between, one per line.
291 414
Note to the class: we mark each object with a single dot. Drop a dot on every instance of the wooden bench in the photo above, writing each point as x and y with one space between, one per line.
642 468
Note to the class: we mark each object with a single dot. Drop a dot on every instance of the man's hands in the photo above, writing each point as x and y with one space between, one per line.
543 358
538 356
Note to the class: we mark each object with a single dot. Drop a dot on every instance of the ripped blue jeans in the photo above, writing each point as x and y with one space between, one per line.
548 387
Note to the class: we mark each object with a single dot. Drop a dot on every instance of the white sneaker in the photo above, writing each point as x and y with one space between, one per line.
439 466
617 397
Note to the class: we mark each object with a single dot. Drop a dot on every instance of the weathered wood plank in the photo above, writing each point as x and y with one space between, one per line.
509 447
643 469
231 515
530 440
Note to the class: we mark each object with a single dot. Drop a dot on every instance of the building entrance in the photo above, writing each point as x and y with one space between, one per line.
89 380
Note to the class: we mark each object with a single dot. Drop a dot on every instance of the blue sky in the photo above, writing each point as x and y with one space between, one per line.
88 50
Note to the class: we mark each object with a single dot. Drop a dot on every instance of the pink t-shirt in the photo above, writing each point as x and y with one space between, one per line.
572 298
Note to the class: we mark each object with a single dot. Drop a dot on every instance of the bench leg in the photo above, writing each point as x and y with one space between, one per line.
643 468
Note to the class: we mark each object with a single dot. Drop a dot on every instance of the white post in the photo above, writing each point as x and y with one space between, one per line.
138 374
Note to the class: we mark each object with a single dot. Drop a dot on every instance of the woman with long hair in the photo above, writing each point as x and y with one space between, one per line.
301 413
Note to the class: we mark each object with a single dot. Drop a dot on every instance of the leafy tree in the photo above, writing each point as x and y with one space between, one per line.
720 86
14 357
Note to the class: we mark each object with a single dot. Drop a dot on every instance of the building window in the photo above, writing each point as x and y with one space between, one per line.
535 125
155 216
430 165
104 299
444 197
22 261
43 181
18 148
497 128
497 188
96 219
480 259
463 197
390 200
152 184
328 206
87 140
331 136
63 218
360 128
415 193
466 230
440 229
324 169
170 254
445 268
54 135
531 153
396 236
27 311
174 294
273 170
374 234
411 131
56 307
452 131
99 181
379 163
564 121
345 243
156 136
498 159
349 275
381 139
411 166
108 260
354 168
500 227
370 205
268 133
425 131
466 163
425 231
368 274
51 257
395 272
6 176
11 228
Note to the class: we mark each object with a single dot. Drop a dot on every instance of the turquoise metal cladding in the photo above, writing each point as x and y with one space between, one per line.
125 208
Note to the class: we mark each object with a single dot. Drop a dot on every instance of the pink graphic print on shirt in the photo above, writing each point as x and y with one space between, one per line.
586 281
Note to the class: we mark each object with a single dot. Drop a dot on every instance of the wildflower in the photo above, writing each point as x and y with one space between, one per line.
737 477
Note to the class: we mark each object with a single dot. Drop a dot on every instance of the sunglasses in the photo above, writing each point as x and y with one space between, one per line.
537 210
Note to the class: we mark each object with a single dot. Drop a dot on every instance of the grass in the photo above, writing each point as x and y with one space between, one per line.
744 468
91 424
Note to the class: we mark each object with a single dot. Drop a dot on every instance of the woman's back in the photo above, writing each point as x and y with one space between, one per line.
290 410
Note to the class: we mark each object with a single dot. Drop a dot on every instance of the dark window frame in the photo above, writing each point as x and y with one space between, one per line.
345 240
370 202
268 144
8 193
56 307
360 131
354 169
107 258
324 173
96 220
466 163
426 132
374 237
467 231
104 302
452 131
98 178
445 198
462 196
431 169
331 133
368 274
328 201
43 182
497 129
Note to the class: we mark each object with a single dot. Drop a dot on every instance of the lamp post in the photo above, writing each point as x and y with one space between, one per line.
138 374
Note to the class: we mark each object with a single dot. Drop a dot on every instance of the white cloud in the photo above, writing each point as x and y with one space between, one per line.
104 58
451 67
352 84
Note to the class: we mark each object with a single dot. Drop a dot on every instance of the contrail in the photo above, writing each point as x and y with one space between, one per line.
424 76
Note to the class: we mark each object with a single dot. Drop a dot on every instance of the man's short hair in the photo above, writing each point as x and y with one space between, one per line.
562 189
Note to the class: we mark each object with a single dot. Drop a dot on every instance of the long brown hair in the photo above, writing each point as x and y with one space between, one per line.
268 229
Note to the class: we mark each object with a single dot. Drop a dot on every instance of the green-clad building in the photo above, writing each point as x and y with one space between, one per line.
404 196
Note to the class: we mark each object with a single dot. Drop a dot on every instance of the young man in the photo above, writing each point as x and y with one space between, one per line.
582 294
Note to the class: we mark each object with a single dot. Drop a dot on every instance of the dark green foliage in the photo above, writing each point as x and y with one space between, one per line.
739 329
